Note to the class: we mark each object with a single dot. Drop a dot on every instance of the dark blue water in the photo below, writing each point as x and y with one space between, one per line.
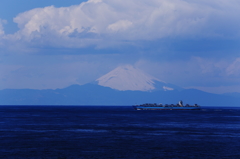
60 132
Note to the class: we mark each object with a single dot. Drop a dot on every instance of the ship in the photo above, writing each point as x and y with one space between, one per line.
154 106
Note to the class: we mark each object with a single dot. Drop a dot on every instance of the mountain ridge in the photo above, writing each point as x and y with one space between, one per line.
128 77
92 94
125 85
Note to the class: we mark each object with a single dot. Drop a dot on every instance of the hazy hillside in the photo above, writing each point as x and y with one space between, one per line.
91 94
125 85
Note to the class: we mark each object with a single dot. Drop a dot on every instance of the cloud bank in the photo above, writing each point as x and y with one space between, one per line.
104 23
196 72
1 27
191 43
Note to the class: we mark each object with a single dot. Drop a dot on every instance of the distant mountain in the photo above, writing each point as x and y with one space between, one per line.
125 85
234 94
127 77
92 94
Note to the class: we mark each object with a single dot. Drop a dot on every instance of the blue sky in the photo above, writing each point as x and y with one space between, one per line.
53 44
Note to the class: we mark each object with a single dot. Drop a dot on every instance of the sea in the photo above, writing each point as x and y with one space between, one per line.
79 132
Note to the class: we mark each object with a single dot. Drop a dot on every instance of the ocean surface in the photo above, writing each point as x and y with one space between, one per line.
69 132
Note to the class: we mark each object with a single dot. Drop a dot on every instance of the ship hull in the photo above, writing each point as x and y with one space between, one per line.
165 108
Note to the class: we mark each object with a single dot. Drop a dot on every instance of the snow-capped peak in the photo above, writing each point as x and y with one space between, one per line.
128 77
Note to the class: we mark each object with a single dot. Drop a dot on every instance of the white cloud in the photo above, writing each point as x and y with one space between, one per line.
120 25
1 26
98 21
196 72
2 33
234 68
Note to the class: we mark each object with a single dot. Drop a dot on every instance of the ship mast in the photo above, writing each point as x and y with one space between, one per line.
180 103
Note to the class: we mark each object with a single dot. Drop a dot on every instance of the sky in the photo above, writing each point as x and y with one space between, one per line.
51 44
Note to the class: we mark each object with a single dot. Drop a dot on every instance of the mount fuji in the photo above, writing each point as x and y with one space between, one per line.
128 77
125 85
